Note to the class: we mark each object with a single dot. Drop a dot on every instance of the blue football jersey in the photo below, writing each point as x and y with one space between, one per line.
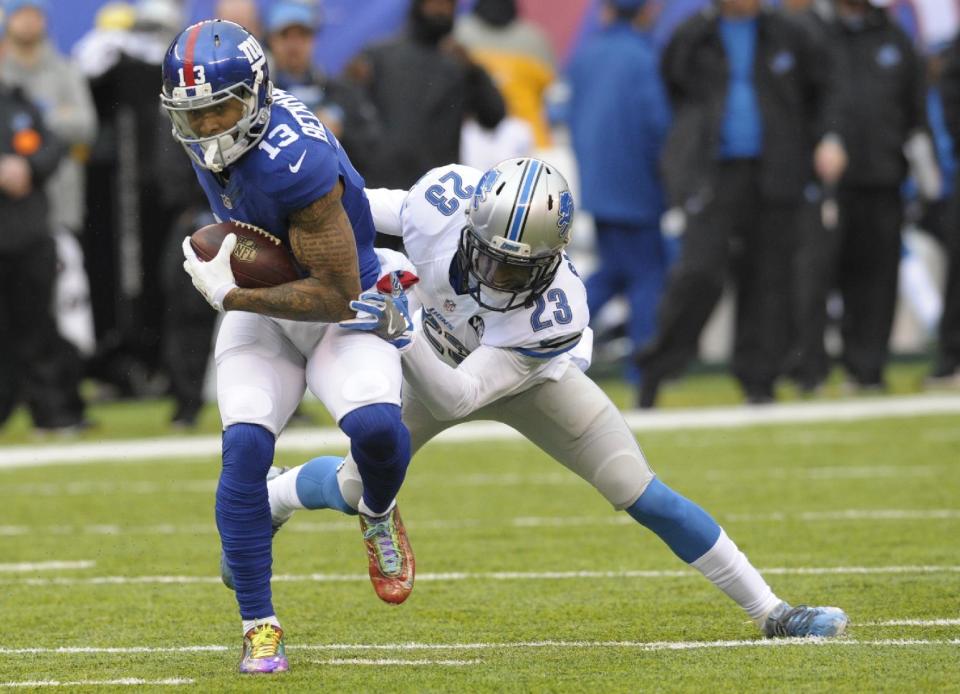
297 162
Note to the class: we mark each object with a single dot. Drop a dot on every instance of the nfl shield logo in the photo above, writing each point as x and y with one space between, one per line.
449 306
227 202
245 250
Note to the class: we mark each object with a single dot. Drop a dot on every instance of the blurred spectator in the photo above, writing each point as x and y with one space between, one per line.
246 13
423 84
808 363
751 93
884 117
62 94
127 220
32 363
517 55
341 106
619 116
946 370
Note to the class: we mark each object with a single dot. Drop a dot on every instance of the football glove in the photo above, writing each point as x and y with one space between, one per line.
385 315
213 279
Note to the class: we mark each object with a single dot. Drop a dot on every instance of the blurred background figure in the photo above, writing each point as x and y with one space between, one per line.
423 84
619 116
751 94
246 13
127 221
341 107
37 366
884 118
808 363
55 86
946 367
518 56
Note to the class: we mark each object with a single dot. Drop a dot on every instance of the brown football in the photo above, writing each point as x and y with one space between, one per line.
259 259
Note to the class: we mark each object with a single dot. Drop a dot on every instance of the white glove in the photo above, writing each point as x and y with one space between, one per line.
385 315
213 279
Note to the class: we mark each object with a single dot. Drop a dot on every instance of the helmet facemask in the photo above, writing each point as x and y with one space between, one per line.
216 152
502 275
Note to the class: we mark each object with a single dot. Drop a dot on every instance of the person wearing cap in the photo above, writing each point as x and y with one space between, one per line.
35 365
341 106
619 116
61 94
756 111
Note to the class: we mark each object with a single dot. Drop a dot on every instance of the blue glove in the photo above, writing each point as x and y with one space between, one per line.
385 315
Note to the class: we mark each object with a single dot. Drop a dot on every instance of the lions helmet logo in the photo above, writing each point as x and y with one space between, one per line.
485 186
566 214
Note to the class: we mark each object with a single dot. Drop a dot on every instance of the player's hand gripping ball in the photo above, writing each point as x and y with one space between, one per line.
258 260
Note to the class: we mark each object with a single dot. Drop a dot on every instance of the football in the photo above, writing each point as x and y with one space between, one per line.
259 259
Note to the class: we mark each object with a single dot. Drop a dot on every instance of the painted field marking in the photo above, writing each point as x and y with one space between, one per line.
394 661
484 646
853 515
912 623
330 439
46 566
491 576
124 682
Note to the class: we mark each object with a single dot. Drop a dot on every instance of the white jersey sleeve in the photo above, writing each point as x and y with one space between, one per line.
385 206
484 376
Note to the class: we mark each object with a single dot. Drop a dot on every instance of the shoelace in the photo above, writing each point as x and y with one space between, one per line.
382 534
265 641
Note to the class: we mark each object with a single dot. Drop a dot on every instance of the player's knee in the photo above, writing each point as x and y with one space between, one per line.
249 405
378 433
247 453
622 478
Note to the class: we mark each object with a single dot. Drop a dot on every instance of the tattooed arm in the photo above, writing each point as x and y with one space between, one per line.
322 240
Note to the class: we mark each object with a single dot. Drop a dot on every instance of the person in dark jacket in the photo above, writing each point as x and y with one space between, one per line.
33 367
884 115
341 106
619 116
946 369
423 85
755 114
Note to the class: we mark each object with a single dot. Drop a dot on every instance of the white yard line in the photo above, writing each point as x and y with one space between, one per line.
394 661
123 682
912 623
46 566
486 646
314 440
853 515
490 576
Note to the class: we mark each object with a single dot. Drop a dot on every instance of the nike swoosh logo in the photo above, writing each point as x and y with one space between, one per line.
296 167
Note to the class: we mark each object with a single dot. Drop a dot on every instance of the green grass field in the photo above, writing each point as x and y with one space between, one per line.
527 580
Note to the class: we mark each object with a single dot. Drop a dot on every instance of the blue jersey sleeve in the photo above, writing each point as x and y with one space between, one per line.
301 173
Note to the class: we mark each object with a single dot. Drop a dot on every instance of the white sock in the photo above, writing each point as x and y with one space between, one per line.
728 569
365 510
283 495
249 624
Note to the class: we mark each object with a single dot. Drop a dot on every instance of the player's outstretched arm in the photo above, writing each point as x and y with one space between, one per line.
486 375
322 240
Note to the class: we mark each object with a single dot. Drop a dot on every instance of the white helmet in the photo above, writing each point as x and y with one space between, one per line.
518 224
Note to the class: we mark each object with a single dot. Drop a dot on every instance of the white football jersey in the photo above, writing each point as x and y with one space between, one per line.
430 219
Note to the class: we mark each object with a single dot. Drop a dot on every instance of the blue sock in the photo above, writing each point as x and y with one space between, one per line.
686 528
317 485
380 444
243 515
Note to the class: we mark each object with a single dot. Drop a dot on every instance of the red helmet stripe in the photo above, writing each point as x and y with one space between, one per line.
188 55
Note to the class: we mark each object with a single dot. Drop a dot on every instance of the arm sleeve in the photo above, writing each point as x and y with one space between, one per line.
484 101
386 206
488 374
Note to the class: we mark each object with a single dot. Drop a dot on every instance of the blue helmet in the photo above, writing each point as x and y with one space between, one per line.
210 67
